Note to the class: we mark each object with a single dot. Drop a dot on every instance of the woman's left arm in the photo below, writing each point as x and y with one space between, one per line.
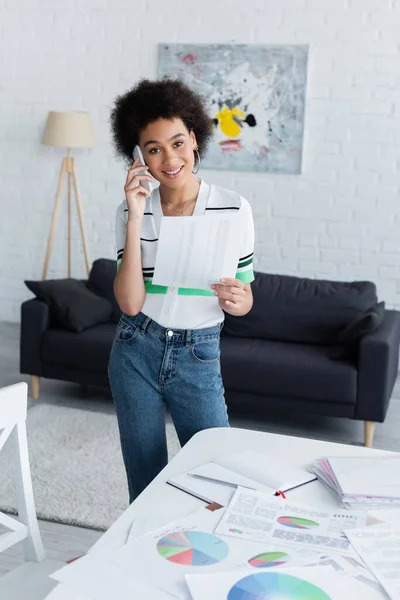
234 296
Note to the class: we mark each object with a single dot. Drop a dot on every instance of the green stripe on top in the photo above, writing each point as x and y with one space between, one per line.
245 263
155 289
246 276
163 289
194 292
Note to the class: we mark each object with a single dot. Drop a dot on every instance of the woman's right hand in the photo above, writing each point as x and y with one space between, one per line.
135 193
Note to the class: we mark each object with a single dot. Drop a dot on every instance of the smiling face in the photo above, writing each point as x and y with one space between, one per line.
168 149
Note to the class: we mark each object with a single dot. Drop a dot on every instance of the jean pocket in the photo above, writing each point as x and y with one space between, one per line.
206 352
125 331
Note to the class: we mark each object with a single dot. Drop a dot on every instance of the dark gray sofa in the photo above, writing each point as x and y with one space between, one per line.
278 356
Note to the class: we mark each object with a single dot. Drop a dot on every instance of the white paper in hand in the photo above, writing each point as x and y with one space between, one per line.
197 251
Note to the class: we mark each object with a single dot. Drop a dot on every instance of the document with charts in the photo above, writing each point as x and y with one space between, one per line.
256 516
308 583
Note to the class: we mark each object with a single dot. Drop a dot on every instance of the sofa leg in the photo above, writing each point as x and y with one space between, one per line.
35 386
369 429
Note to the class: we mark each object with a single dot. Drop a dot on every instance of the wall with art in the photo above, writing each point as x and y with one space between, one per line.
256 96
305 103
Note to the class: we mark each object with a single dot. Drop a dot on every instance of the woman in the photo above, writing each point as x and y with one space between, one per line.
166 347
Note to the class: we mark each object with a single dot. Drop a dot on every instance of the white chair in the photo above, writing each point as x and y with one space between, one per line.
13 409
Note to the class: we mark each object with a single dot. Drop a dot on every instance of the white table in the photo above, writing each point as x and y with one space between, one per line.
204 447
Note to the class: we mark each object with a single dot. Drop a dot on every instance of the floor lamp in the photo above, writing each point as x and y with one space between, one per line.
67 130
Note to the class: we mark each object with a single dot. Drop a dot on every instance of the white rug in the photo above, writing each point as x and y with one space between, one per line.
77 470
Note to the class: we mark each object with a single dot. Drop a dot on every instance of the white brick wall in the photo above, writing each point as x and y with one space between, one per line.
340 219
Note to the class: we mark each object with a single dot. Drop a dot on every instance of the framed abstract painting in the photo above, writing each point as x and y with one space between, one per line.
256 97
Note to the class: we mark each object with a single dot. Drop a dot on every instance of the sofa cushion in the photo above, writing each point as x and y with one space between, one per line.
295 309
347 341
73 304
90 350
288 370
101 282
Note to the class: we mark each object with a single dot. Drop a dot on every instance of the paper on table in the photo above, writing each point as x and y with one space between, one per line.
272 472
257 516
380 550
361 482
367 476
309 582
144 525
347 564
188 545
98 578
383 518
213 491
149 523
196 252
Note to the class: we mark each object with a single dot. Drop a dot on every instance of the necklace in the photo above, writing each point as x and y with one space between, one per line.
181 212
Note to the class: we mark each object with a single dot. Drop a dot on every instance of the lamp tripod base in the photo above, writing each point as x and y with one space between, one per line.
67 169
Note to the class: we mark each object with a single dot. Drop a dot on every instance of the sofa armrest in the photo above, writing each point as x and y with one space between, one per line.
377 369
35 320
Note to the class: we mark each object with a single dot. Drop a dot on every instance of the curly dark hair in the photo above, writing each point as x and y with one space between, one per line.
148 101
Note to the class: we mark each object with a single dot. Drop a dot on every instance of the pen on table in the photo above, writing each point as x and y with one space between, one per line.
297 486
235 485
213 480
195 495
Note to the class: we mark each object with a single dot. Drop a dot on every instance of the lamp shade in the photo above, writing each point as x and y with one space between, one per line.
68 130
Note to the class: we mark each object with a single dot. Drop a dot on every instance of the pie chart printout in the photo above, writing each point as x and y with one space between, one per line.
269 559
275 586
297 522
194 548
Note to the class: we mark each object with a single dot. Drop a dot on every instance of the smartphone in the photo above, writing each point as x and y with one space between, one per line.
137 153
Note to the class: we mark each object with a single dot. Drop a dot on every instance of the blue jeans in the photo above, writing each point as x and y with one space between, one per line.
152 368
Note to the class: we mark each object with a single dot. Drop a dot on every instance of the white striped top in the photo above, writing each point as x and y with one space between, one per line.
186 308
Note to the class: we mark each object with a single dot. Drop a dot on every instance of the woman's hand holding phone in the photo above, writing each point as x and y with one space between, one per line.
135 192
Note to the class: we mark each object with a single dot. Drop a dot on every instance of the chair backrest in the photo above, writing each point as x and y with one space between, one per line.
13 412
13 408
13 404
